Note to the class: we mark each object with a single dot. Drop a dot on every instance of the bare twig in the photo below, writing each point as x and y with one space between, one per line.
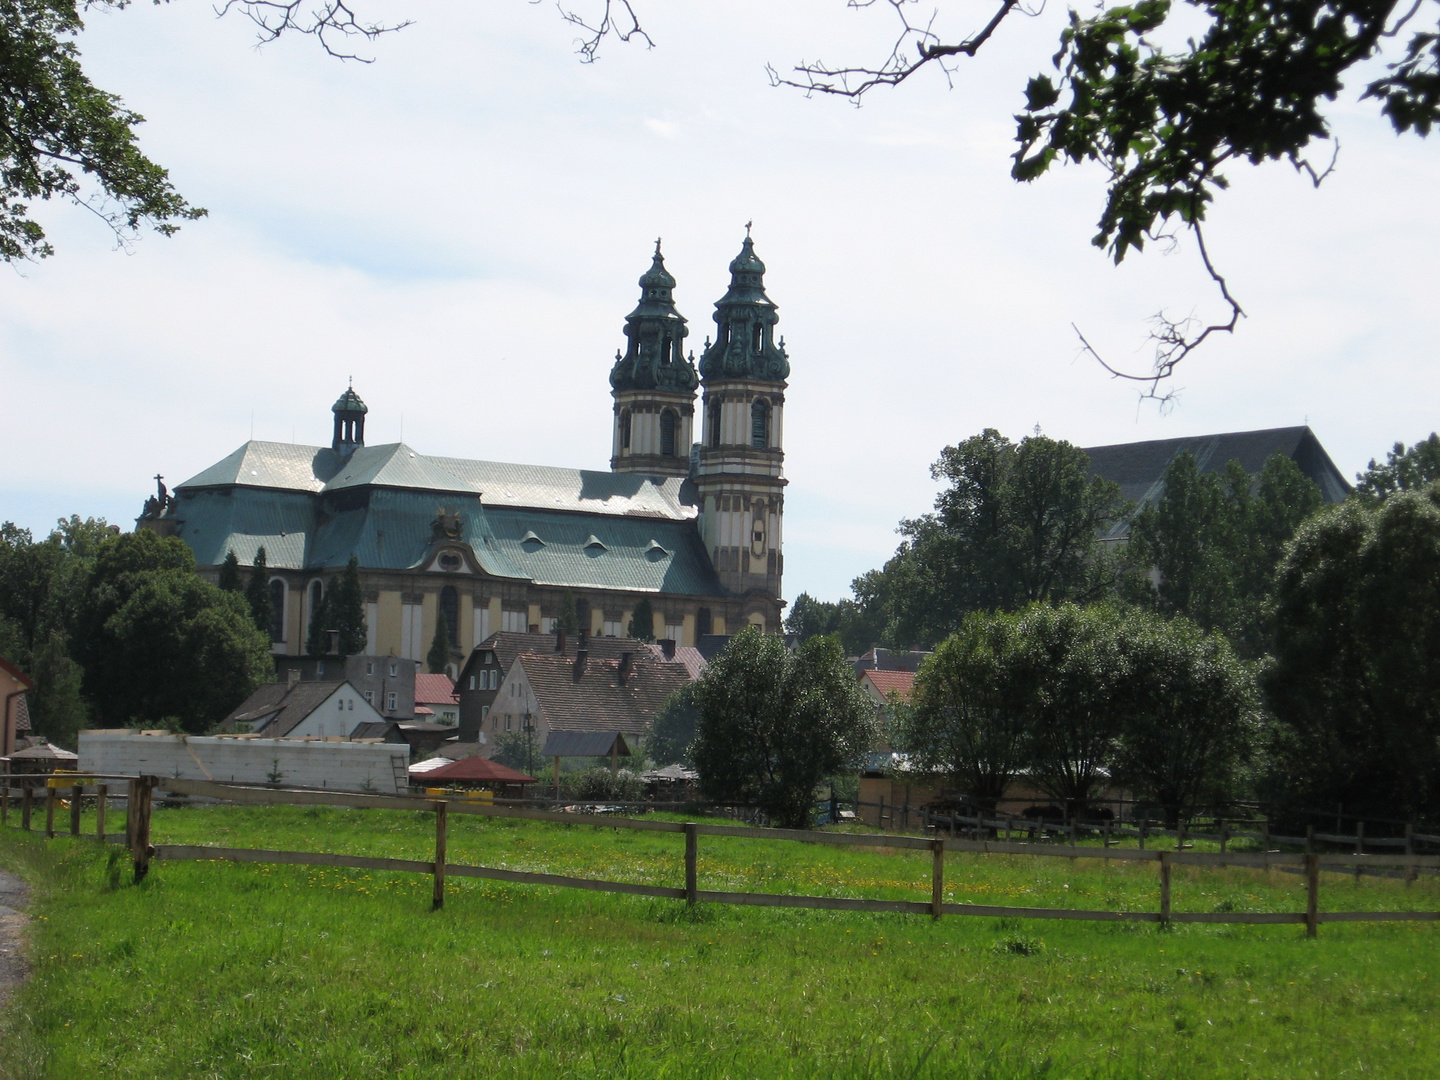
916 46
617 19
1174 339
329 23
1302 165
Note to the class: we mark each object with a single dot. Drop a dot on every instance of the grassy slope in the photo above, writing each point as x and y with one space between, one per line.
218 970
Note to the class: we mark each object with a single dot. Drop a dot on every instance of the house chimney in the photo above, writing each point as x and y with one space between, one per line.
580 656
292 676
667 646
625 659
559 639
580 641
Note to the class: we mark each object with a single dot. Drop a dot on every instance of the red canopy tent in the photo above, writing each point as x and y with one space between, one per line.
479 771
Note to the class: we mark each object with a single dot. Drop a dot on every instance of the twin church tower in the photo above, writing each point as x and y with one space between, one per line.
737 462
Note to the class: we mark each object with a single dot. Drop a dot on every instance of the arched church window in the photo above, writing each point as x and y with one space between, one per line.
277 609
668 420
450 606
760 424
714 423
625 430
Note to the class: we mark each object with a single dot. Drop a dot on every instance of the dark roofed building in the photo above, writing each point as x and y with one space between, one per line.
1139 467
298 709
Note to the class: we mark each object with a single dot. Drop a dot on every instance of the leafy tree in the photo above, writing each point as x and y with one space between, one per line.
810 617
1077 657
175 646
347 611
1188 713
1355 686
1404 470
57 707
517 750
673 730
569 613
229 579
1018 522
122 563
317 641
1214 540
969 714
439 655
773 724
257 595
60 127
642 622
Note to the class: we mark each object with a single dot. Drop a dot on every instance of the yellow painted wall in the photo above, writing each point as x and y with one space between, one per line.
466 629
687 636
429 612
532 616
387 636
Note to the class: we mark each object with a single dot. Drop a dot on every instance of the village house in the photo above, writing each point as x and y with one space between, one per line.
298 709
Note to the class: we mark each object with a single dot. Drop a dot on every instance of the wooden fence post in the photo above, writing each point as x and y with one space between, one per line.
442 813
77 796
1074 834
132 807
937 877
144 799
1265 834
50 801
692 855
1180 834
1359 846
1309 839
27 802
100 793
1312 895
1411 873
1164 888
5 800
1224 835
1144 828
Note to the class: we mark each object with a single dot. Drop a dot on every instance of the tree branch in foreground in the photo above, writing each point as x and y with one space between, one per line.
617 19
915 47
331 23
1174 339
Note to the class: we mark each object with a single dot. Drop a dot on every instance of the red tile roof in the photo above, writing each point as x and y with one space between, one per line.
434 690
479 769
891 682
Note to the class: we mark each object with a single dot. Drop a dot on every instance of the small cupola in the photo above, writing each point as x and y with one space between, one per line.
349 413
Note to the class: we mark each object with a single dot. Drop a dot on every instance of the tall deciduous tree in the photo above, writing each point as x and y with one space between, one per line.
1017 522
1405 469
1214 540
1355 686
672 732
1188 714
971 705
773 724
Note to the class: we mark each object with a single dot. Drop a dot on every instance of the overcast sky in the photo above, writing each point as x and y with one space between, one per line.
460 226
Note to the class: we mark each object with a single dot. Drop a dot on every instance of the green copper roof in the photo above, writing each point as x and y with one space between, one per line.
745 318
654 356
311 508
349 402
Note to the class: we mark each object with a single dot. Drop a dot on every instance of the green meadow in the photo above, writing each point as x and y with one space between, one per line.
210 969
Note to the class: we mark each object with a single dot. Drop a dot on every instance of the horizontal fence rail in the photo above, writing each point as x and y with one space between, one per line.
140 792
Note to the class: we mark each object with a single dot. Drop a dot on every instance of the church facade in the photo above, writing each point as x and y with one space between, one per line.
689 517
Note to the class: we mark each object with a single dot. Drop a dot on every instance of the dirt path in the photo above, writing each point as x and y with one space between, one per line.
12 925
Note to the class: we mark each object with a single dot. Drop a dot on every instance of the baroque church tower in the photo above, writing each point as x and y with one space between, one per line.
653 383
740 477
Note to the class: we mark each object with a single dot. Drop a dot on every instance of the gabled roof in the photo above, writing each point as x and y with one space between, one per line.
585 744
479 769
687 656
1139 467
596 701
886 683
507 645
282 706
434 690
44 752
16 674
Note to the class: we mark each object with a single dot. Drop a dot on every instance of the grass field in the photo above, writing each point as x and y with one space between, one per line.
221 970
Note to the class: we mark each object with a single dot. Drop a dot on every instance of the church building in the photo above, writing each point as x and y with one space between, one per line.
693 525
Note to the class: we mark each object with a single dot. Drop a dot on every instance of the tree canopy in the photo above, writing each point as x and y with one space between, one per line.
1355 685
772 724
1017 522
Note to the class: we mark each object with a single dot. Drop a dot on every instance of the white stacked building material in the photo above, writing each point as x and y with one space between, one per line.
321 763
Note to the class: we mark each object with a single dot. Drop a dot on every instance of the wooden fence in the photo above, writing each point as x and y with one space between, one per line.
140 793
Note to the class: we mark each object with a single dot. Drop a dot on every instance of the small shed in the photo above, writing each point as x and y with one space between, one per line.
481 772
590 744
673 783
